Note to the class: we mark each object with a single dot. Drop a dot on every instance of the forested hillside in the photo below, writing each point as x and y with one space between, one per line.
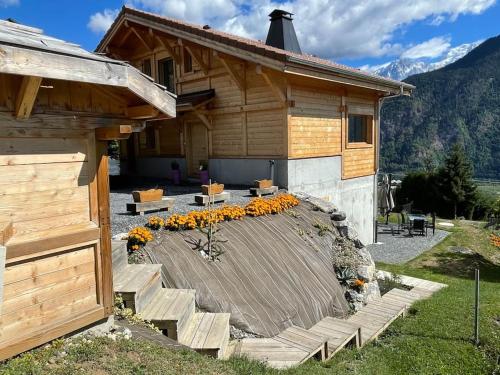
460 102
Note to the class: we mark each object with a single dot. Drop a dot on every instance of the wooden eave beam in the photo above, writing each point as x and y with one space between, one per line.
149 45
124 38
197 58
231 71
27 96
204 119
280 95
141 112
166 44
6 232
113 133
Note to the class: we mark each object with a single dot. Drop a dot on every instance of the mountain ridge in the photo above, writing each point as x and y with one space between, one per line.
459 102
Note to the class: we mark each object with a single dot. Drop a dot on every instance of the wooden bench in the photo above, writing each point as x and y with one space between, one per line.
203 199
258 192
139 208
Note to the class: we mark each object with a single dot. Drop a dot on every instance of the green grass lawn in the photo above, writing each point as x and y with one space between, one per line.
435 337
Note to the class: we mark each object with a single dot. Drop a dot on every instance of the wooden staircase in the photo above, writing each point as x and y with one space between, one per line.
171 310
295 345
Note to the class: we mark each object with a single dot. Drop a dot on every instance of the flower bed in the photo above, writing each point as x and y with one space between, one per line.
139 236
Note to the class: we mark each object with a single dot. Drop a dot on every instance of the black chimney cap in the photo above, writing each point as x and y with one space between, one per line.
278 13
281 33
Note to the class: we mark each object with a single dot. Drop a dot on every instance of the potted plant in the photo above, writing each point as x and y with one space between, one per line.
204 172
175 173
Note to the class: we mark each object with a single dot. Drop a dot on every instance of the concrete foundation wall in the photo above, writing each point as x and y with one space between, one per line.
156 167
246 171
322 178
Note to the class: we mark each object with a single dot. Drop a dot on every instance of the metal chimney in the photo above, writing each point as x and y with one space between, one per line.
281 33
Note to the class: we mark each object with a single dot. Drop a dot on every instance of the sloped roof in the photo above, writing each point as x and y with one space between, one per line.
251 45
25 50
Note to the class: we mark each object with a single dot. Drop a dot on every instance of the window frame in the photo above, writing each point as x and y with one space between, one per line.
187 57
369 136
159 64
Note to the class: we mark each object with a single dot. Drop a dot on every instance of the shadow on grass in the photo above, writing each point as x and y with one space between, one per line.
463 266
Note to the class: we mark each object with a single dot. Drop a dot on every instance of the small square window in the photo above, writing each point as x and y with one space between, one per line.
359 129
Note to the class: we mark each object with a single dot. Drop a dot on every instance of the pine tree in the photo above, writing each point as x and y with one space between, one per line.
455 179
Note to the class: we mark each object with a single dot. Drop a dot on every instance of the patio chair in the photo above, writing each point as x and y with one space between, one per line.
418 226
431 225
403 222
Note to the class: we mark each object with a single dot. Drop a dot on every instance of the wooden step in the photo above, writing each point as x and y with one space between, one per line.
119 255
312 342
171 309
376 316
137 283
274 353
207 333
339 333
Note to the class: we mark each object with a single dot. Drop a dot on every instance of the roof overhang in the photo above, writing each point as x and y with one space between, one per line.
283 63
26 61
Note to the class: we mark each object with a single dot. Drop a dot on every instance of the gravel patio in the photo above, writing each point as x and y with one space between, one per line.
121 194
401 248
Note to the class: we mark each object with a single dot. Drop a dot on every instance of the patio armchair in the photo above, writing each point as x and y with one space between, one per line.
431 225
418 226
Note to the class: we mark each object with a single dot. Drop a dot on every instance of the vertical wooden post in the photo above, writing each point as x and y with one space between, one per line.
476 308
104 224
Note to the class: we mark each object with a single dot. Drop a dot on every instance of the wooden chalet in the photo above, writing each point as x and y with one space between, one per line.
256 110
59 105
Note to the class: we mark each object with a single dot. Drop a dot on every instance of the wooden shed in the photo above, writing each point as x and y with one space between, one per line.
59 106
253 110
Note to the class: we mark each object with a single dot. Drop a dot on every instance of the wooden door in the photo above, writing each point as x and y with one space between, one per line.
198 147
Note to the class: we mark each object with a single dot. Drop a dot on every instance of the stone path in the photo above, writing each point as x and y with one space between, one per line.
401 248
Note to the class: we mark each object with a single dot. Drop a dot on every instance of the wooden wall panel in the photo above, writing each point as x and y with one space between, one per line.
195 85
44 183
42 292
315 123
227 93
265 133
227 135
358 162
170 138
257 90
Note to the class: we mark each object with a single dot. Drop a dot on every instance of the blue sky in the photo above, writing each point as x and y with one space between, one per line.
370 33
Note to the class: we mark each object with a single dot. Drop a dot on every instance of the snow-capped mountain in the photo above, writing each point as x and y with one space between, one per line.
401 68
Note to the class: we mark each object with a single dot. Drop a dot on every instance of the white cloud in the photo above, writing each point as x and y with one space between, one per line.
332 29
431 48
8 3
101 21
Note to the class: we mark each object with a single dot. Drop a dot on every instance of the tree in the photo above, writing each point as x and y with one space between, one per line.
455 180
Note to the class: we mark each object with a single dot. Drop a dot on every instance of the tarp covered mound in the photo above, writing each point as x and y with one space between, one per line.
275 271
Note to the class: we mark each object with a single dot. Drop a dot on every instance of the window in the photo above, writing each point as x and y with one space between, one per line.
188 62
146 67
166 74
359 129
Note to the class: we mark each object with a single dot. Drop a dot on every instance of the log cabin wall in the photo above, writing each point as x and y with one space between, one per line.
247 119
57 279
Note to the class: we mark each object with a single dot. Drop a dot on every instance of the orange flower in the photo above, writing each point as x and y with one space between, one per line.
359 283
